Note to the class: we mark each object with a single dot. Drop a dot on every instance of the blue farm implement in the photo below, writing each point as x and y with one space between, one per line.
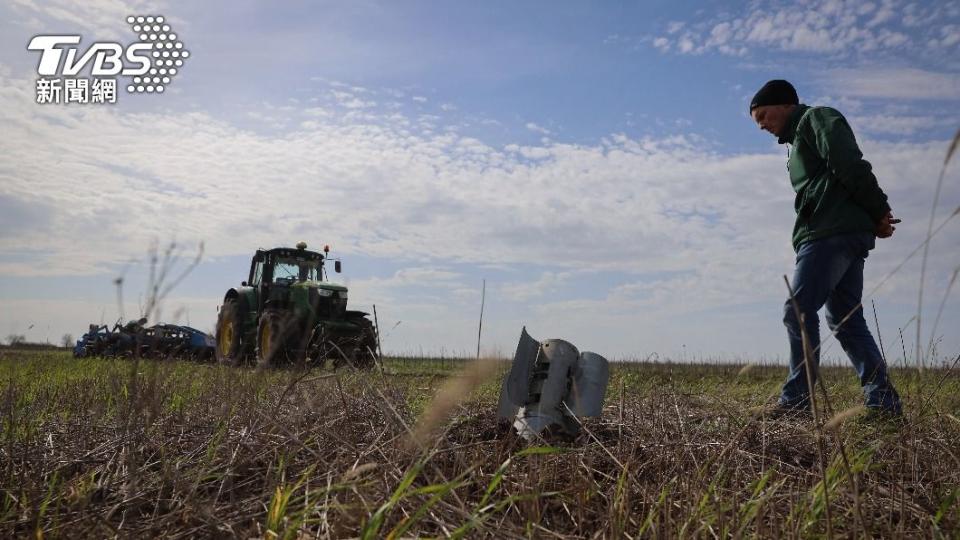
134 339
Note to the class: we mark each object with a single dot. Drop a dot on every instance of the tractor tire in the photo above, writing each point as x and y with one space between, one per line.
366 355
322 348
272 336
360 351
229 338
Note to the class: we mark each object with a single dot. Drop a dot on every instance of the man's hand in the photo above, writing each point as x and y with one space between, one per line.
886 226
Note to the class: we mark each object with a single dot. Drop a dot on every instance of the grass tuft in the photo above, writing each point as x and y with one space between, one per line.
192 450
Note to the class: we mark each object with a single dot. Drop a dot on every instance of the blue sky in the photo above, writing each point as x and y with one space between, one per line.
593 162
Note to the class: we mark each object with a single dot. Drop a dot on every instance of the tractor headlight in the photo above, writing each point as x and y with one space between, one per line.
325 292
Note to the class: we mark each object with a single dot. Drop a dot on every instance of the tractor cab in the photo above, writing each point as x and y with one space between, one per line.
281 276
286 266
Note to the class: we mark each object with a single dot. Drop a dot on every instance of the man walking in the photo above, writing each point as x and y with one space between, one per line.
841 210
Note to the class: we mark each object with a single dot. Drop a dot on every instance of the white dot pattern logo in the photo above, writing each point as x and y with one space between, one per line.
153 30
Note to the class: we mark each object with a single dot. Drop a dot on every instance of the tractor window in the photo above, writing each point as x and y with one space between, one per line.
257 274
288 270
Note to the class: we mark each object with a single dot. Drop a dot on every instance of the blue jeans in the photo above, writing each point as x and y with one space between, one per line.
830 271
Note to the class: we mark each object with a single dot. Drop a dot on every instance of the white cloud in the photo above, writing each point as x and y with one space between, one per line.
523 291
902 124
951 35
899 83
427 275
538 129
101 17
822 26
683 228
720 34
351 101
882 15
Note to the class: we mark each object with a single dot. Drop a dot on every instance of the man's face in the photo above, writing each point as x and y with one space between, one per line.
772 118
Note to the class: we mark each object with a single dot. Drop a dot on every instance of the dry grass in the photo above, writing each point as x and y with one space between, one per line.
103 448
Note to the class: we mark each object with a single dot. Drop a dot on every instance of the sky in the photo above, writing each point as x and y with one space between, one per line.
591 165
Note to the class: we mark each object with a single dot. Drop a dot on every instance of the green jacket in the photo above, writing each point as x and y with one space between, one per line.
836 189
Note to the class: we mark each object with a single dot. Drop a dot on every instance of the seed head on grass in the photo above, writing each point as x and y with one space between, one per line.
359 471
453 392
842 416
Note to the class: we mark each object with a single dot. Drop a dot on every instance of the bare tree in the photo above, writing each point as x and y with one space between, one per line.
16 339
66 341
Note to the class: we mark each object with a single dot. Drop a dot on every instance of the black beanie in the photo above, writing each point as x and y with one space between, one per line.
775 92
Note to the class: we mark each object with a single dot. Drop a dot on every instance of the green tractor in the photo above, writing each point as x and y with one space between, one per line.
287 312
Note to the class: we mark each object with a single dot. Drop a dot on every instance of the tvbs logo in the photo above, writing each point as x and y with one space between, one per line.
151 62
107 57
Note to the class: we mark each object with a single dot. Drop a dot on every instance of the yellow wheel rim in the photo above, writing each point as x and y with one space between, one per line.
265 342
226 338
